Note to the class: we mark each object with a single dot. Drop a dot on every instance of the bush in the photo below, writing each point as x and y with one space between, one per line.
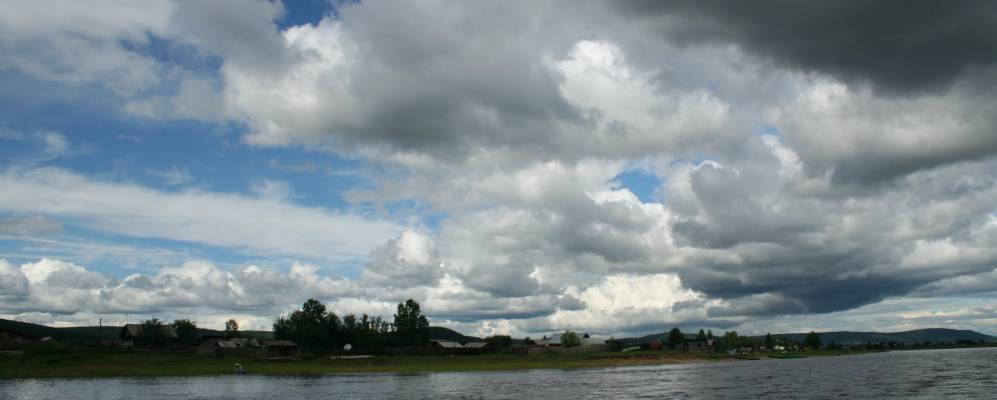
570 339
499 341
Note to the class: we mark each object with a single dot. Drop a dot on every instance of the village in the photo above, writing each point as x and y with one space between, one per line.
313 331
314 340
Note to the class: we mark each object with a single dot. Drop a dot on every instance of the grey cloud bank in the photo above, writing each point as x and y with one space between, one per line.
813 158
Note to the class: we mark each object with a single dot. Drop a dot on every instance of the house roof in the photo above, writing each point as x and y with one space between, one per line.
476 345
134 330
447 344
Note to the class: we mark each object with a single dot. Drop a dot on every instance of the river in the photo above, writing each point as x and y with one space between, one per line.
929 374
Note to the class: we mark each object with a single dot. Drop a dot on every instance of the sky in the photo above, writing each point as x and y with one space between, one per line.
617 168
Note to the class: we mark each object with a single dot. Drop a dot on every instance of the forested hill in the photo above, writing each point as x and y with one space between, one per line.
76 335
933 335
91 334
441 333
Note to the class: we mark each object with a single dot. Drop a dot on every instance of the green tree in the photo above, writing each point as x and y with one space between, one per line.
731 340
701 335
570 339
709 334
349 329
231 329
812 340
499 341
311 327
186 331
675 337
769 342
283 329
151 333
411 327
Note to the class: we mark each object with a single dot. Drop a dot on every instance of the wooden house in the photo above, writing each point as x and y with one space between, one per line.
279 350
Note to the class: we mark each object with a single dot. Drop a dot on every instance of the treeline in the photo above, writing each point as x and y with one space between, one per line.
317 329
731 340
152 332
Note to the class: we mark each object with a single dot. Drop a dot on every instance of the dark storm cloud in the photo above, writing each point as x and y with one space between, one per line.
899 46
826 248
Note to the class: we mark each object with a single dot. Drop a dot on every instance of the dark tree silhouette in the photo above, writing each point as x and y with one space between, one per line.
499 340
675 337
411 327
186 331
812 340
231 329
151 333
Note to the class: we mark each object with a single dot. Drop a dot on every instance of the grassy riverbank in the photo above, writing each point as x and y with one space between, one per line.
98 364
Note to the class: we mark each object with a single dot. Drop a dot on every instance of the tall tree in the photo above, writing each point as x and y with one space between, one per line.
570 339
151 333
709 334
769 342
675 337
731 340
186 331
411 327
231 328
350 329
313 310
701 335
812 340
311 327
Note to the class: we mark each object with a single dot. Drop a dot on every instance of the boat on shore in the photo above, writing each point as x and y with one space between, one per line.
746 357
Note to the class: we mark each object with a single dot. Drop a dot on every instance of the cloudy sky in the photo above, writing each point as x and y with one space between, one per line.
516 167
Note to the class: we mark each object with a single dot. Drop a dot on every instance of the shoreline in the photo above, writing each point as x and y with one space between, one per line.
115 365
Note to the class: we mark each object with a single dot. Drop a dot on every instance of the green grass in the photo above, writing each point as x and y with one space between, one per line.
99 364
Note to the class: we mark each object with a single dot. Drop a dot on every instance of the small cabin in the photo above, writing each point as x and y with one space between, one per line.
445 344
279 350
697 345
235 347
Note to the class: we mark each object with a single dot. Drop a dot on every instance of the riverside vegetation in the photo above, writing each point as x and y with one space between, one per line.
322 333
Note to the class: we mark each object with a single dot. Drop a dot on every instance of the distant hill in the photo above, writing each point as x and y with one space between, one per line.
91 334
934 335
441 333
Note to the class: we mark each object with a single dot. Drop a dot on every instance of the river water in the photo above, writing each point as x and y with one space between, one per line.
929 374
